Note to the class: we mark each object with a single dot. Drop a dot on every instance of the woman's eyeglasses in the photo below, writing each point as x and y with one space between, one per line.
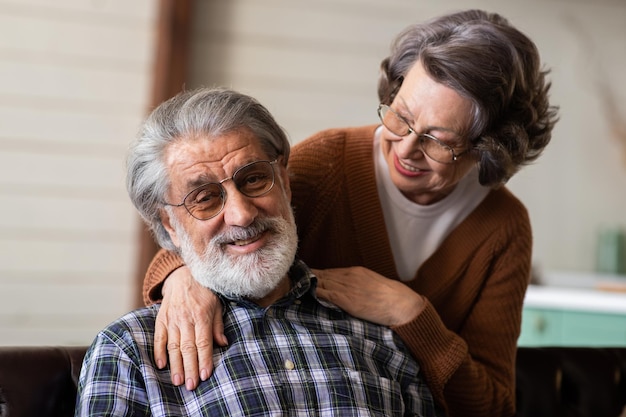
430 145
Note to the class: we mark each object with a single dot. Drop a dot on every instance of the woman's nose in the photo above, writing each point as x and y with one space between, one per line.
409 147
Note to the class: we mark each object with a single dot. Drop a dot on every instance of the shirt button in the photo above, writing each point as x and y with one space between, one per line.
297 302
289 365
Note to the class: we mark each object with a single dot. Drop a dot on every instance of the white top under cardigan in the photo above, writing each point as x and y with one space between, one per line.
416 231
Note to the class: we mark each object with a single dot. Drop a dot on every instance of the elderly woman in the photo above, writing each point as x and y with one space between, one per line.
409 222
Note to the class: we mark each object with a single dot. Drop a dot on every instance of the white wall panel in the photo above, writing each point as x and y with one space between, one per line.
88 38
75 80
94 300
75 132
50 81
70 252
91 172
34 213
114 11
59 314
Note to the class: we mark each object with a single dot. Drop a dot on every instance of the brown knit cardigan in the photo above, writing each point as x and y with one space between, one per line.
465 340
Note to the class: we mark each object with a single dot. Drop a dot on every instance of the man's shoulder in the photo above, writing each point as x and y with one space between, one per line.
134 327
139 317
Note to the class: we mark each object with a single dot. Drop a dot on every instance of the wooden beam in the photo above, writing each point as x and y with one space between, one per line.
170 75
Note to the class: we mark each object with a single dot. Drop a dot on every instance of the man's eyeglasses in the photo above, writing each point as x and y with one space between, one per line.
430 145
207 201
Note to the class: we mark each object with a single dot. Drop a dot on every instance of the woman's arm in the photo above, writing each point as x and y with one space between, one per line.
467 379
465 340
368 295
472 328
188 323
162 265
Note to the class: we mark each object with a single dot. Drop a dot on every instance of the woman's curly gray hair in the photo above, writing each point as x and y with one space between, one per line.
205 112
485 59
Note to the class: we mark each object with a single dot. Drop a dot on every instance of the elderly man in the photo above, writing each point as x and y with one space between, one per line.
208 174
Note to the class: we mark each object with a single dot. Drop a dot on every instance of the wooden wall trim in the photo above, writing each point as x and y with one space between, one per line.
170 75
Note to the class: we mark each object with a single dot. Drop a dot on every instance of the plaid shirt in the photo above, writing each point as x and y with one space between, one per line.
299 357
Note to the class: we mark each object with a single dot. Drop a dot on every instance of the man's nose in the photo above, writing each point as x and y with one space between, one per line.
239 210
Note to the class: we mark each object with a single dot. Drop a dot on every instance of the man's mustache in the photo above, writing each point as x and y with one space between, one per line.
235 233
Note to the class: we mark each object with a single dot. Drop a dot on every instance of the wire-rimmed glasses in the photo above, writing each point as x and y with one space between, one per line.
252 180
430 145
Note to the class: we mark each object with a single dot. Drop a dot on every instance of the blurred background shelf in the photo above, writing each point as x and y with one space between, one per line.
575 309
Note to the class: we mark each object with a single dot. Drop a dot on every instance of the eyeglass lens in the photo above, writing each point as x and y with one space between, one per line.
430 145
252 180
394 123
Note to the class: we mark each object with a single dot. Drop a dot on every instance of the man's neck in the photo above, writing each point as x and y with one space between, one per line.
276 294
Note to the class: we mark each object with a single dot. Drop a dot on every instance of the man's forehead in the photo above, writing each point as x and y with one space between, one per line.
192 158
211 147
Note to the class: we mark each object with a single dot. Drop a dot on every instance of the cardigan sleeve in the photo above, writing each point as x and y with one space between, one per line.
438 350
163 264
470 363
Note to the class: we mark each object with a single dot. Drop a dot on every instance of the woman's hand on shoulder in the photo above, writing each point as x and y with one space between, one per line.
188 322
368 295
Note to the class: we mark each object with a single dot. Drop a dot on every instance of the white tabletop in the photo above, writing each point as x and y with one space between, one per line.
578 291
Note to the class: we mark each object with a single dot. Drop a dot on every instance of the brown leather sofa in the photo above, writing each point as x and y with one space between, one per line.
551 382
571 382
39 381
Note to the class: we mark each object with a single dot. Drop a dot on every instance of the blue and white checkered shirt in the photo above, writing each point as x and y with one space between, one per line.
299 357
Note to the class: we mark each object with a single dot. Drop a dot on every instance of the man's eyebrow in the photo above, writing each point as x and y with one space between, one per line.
199 180
205 178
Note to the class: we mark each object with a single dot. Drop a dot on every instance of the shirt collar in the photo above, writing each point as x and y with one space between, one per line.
302 281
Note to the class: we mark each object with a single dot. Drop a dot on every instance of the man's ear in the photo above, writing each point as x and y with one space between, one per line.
165 220
284 176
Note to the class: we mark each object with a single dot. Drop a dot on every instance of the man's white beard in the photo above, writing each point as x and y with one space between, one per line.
251 275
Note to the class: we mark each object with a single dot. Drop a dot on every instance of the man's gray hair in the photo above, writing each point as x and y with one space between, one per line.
211 112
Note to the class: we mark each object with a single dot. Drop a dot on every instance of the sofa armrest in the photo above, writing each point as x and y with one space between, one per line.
39 381
571 381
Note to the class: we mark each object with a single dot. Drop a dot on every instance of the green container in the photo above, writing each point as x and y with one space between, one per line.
611 251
